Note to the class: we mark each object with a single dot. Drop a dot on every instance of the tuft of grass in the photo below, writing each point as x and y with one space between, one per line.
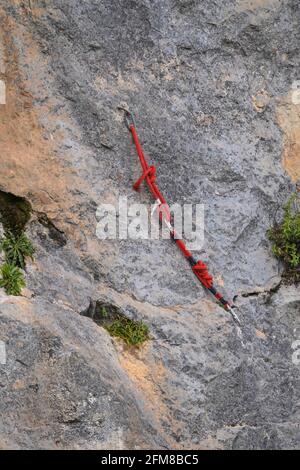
111 317
134 333
285 238
12 279
16 248
103 313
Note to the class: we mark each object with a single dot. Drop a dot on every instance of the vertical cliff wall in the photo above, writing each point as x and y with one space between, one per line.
211 85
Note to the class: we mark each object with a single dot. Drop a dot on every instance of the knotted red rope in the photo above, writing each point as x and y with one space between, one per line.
149 176
151 172
201 271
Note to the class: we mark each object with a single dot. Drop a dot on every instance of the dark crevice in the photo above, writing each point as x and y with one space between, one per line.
291 276
257 293
15 212
101 312
248 294
55 234
69 421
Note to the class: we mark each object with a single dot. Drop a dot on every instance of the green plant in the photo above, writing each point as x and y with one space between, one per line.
12 279
132 332
16 248
103 313
285 236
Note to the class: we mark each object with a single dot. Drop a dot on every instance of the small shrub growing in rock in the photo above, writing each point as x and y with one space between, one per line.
285 238
16 248
11 279
111 317
132 332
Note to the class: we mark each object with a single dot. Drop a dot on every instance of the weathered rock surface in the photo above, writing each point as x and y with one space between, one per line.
212 85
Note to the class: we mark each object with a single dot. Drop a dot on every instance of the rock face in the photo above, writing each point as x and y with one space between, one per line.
213 86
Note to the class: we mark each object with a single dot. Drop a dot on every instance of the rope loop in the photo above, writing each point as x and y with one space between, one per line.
151 172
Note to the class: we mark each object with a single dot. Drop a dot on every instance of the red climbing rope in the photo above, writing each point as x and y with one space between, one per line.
149 172
201 271
149 176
